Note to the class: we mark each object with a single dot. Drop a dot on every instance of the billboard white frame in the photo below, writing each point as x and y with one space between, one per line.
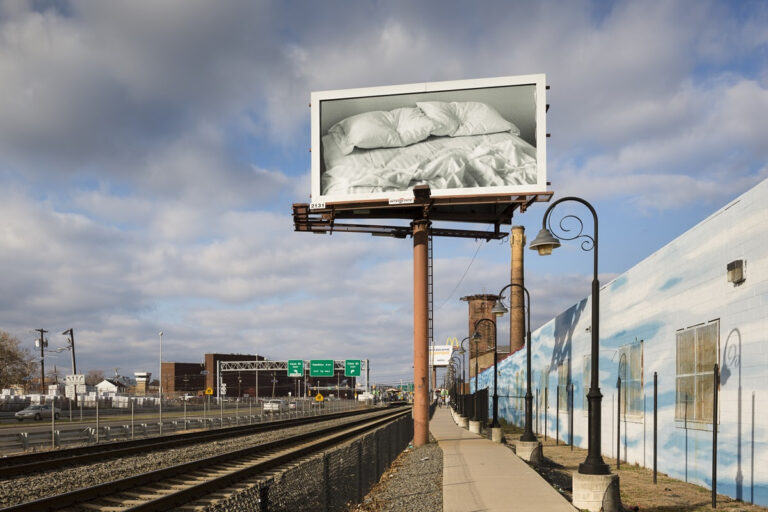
324 104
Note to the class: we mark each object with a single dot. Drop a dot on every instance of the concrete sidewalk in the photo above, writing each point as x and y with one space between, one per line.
481 475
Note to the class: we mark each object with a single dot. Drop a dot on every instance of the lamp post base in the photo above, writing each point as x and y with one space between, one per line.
529 451
596 492
474 426
497 436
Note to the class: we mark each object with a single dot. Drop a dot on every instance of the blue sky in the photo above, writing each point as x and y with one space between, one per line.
150 152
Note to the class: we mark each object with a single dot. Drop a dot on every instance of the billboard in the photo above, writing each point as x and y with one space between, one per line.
484 137
440 355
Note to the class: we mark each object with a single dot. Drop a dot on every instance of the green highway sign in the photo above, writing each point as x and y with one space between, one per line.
352 367
321 368
295 367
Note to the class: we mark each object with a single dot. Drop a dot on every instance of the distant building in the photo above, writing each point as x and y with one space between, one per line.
142 382
183 378
110 387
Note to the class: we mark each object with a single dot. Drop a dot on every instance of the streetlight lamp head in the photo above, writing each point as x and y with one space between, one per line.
160 333
476 337
498 309
544 242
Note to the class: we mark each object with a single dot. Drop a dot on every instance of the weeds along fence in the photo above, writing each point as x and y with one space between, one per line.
328 482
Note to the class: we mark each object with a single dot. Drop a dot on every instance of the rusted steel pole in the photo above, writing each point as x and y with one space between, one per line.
420 338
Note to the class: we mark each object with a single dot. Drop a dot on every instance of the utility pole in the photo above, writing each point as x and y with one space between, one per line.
42 344
71 334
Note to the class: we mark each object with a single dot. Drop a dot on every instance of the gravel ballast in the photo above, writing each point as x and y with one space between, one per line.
26 488
414 481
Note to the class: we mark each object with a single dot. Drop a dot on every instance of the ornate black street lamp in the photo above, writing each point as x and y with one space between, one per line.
474 400
544 243
499 310
476 337
464 371
452 372
458 376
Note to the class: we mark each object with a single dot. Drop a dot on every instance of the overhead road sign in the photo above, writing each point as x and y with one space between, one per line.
321 368
295 367
352 367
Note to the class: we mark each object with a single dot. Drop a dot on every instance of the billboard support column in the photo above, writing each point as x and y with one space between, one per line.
420 338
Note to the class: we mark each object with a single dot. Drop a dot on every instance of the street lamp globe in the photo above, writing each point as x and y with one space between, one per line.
544 242
499 309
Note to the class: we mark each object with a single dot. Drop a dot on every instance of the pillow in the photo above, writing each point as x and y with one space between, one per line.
477 118
460 118
442 114
412 124
368 130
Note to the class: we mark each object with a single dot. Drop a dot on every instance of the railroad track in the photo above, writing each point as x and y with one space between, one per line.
25 464
171 487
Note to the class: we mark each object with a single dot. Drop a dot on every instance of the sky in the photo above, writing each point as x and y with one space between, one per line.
150 152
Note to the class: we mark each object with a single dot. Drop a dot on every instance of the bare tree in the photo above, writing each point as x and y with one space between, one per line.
93 377
16 362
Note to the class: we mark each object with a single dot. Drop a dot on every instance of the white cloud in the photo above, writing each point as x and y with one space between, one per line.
149 153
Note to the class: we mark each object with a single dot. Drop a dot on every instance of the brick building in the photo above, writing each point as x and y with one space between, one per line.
182 378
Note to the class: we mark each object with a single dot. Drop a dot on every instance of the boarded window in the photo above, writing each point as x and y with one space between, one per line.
697 353
631 373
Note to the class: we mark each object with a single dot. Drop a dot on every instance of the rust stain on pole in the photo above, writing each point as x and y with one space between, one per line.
420 337
516 305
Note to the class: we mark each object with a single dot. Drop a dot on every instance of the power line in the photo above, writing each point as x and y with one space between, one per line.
462 277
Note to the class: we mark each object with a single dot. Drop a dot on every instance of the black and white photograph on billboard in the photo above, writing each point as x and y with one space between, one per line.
464 138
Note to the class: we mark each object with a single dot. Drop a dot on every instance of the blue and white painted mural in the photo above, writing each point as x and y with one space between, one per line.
674 314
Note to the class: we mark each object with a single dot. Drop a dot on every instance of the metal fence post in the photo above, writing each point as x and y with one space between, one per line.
557 415
715 383
263 493
53 423
359 471
618 423
655 422
570 427
97 419
326 484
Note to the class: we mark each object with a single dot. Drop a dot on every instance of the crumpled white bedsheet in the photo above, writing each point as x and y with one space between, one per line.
499 159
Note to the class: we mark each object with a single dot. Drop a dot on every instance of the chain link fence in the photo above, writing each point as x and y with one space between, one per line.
328 482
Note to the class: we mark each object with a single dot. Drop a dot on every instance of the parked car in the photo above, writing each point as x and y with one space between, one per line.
292 405
37 413
274 406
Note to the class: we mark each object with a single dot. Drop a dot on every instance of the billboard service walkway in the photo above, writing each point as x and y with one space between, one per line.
479 474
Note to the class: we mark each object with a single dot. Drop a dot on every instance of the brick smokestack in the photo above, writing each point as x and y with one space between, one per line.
516 299
480 307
